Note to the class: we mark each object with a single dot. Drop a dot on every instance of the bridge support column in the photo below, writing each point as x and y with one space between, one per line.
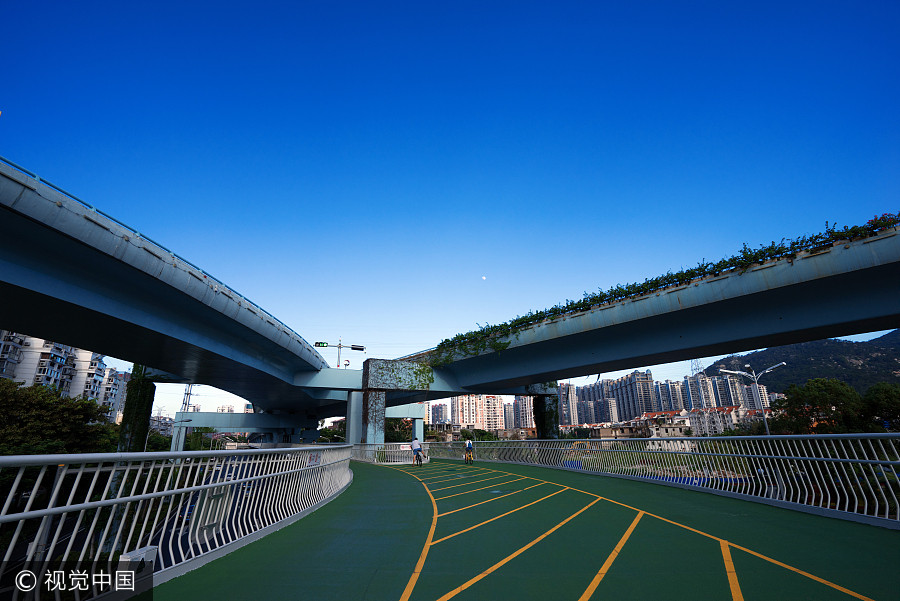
546 416
419 429
373 417
354 417
545 406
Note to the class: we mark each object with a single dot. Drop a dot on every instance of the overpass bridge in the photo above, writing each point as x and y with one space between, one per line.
85 279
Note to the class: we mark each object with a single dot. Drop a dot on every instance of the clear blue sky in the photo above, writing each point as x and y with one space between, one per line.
394 173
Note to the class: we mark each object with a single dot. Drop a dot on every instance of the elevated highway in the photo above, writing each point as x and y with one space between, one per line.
70 273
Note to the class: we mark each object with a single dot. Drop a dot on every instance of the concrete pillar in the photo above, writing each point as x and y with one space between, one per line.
354 417
419 429
373 417
546 416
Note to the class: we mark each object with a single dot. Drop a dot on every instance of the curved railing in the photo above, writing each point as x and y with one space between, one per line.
388 452
168 509
851 476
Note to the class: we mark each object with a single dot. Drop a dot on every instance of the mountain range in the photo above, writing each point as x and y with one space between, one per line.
859 364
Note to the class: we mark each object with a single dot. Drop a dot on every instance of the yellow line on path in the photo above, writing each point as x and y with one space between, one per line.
802 573
509 558
609 560
477 489
421 563
732 574
489 500
716 538
503 514
458 476
469 482
760 555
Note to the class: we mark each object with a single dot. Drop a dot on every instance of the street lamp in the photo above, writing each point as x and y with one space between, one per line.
352 347
755 377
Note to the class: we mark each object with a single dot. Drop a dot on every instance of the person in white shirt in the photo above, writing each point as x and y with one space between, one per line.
416 448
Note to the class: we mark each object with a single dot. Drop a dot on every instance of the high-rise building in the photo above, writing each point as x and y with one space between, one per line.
523 407
10 352
493 413
438 413
669 395
757 396
698 392
114 386
509 416
595 395
47 363
729 391
568 406
612 409
90 371
634 394
225 409
467 411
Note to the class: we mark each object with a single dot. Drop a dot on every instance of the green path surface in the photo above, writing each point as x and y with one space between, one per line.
366 544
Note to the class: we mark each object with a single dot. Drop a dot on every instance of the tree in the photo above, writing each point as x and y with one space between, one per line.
881 406
821 406
156 442
484 435
397 429
37 420
198 439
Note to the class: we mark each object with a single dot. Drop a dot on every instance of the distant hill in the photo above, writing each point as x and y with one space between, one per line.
859 364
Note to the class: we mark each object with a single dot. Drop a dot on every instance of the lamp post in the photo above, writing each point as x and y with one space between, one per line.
755 377
352 347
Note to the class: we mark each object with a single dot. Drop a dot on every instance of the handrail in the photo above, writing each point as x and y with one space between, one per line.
849 476
173 509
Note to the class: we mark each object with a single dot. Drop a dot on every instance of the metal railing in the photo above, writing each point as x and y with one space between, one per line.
389 452
851 476
85 509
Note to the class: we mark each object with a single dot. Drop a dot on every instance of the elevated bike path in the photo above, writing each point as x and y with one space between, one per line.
447 530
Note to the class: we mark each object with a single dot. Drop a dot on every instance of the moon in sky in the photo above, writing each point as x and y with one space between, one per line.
483 277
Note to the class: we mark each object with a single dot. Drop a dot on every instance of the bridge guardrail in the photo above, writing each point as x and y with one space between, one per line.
169 508
849 476
388 452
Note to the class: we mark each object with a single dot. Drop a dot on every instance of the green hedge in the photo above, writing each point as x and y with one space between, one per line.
490 336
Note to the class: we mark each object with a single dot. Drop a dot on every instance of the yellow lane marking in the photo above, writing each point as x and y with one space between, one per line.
509 558
467 482
457 477
421 563
489 500
732 574
700 532
503 515
760 555
609 560
477 489
802 573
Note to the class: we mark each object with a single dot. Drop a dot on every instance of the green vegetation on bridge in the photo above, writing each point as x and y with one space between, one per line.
490 336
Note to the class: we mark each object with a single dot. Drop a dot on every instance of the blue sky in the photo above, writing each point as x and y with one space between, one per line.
394 173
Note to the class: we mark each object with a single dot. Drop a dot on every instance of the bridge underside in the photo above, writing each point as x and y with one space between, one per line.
69 274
